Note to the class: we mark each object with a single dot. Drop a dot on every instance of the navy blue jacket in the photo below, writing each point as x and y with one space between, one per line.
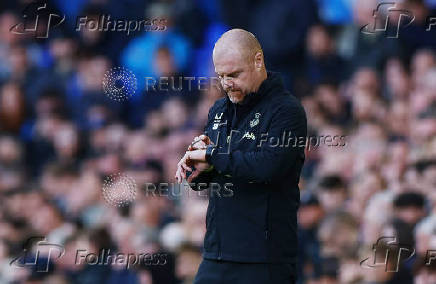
259 150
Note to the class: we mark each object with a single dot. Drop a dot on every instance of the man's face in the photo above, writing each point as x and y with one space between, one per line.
237 74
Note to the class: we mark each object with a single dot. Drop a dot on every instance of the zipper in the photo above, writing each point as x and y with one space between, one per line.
217 229
267 217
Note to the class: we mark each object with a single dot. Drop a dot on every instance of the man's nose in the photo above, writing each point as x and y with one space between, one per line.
227 83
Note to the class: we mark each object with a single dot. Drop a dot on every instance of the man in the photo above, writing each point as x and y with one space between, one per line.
254 140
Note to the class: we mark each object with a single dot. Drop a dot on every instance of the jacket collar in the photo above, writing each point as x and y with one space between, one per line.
267 88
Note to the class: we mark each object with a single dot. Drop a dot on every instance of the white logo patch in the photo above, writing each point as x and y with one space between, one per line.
255 120
249 135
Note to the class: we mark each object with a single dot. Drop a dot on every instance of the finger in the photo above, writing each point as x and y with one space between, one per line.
205 139
178 175
191 146
195 143
182 160
198 145
183 174
186 168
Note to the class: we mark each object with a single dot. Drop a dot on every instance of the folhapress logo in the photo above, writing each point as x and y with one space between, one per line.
388 254
38 255
37 20
385 22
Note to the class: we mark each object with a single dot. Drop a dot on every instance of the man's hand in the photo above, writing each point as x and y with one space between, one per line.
195 158
182 167
200 142
187 162
197 155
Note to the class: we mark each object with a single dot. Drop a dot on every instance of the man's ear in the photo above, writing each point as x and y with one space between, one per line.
258 60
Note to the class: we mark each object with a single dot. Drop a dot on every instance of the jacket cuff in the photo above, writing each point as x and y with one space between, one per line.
210 149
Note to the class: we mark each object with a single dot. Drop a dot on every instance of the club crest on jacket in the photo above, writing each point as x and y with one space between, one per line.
255 120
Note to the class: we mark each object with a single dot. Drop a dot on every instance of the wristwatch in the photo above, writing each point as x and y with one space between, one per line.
209 151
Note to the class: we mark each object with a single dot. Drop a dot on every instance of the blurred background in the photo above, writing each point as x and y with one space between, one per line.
61 136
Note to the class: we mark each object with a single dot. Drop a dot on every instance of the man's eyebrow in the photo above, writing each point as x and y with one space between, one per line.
235 72
230 74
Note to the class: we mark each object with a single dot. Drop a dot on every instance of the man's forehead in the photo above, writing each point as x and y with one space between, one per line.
228 62
227 68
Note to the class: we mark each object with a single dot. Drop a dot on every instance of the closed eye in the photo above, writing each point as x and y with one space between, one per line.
234 74
231 75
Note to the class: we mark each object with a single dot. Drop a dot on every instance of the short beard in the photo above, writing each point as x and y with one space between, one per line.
235 99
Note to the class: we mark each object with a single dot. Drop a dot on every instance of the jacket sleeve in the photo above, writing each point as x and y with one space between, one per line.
269 161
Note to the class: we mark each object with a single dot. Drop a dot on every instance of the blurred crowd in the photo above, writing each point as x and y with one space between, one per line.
61 136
